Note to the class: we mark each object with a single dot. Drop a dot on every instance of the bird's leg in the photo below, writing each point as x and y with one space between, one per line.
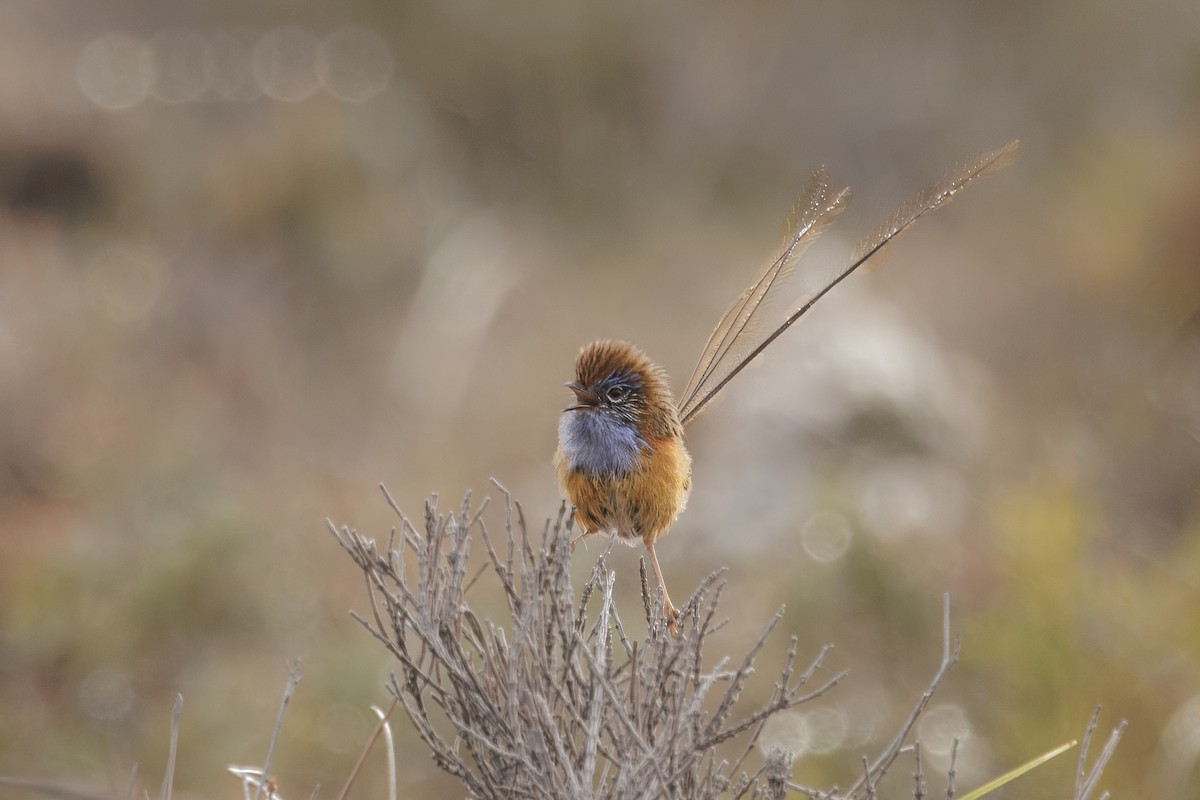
574 517
669 609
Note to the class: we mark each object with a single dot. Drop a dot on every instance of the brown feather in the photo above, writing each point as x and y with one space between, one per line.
734 334
732 345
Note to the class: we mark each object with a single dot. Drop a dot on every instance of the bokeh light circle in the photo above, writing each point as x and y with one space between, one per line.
182 66
354 64
820 732
941 726
284 64
827 729
826 536
115 71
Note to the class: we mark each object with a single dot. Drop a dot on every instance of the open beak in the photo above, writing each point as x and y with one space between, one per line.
584 397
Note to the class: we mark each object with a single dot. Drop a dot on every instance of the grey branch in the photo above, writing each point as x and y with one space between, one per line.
559 702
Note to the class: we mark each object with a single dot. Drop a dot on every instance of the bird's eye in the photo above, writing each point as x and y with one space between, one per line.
616 394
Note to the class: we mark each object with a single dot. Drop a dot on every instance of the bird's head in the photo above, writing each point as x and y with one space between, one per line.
617 380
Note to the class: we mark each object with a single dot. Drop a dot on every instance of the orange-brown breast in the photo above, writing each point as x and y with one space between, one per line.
640 504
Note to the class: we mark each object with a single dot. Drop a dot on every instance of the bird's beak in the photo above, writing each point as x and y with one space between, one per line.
585 397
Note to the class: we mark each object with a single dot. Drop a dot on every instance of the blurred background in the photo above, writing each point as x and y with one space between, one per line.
257 260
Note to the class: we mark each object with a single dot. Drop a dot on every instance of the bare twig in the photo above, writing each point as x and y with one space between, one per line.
382 727
289 687
391 746
1084 786
884 761
918 774
561 702
1081 765
164 793
952 773
132 781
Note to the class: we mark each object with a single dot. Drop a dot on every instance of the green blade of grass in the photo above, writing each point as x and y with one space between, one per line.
993 785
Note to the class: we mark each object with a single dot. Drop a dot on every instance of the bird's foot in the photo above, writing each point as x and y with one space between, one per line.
672 615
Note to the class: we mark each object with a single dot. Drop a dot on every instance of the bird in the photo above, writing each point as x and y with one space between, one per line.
622 461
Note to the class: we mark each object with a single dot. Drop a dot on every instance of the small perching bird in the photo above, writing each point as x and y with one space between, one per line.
621 458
